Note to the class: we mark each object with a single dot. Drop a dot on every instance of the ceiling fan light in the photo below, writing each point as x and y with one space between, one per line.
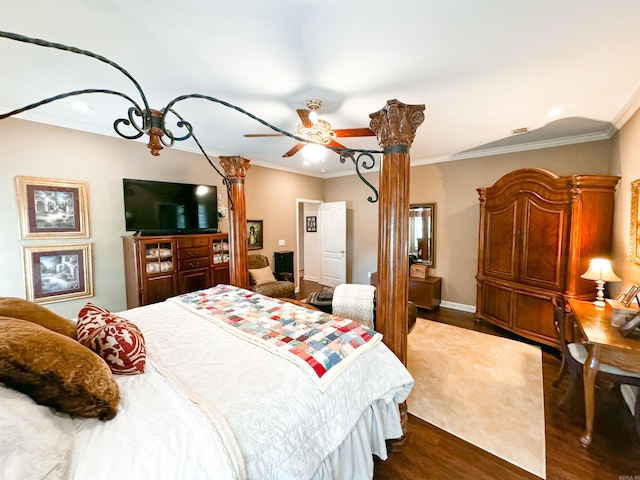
314 152
319 132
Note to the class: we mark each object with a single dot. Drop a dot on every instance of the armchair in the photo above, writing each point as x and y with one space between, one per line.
265 282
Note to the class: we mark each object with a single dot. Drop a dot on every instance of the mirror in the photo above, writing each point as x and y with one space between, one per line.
422 233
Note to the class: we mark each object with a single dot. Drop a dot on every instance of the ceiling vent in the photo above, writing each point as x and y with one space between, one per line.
520 131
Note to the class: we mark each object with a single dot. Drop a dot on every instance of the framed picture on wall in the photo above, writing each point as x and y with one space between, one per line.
50 208
58 272
254 234
312 224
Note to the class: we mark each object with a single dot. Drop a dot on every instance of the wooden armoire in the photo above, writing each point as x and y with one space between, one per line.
538 232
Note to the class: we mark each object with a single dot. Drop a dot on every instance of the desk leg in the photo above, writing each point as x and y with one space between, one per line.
590 370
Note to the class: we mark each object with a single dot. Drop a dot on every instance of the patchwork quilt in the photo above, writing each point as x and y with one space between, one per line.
320 343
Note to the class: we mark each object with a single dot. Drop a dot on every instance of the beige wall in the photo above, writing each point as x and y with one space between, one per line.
452 186
626 163
362 223
32 149
271 197
44 151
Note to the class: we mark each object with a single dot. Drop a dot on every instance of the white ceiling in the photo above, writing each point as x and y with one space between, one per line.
482 68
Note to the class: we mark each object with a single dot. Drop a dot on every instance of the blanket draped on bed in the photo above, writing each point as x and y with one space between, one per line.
354 301
321 344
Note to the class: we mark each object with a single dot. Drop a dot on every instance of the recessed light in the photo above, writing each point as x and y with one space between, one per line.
555 111
81 106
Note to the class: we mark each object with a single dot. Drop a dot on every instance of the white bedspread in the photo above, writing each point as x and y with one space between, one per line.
158 434
213 406
284 426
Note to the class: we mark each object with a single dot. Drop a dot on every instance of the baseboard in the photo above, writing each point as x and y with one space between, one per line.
311 279
458 306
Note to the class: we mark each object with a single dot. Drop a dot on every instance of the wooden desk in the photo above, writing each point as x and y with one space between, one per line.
604 344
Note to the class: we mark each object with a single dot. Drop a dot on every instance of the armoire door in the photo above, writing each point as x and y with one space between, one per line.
500 247
543 245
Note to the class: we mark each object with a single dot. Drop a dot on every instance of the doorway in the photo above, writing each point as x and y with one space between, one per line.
321 242
308 242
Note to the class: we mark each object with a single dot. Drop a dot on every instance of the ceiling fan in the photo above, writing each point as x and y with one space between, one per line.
316 130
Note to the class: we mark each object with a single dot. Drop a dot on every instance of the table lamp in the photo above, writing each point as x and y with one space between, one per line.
600 270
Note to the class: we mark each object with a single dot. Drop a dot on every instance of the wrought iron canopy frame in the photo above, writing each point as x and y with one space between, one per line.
146 120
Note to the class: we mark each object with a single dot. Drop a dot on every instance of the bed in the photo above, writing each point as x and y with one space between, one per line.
216 401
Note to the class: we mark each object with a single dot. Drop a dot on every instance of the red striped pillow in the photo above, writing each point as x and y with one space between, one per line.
117 340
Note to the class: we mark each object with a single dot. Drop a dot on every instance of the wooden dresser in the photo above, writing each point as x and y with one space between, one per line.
423 292
538 232
159 267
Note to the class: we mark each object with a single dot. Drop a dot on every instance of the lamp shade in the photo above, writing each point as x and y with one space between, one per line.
600 269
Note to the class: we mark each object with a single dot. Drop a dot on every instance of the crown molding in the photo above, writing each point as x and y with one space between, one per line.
523 147
627 110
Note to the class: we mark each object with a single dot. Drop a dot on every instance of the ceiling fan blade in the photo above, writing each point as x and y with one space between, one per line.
333 143
354 132
304 117
294 150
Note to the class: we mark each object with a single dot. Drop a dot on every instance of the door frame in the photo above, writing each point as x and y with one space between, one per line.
300 239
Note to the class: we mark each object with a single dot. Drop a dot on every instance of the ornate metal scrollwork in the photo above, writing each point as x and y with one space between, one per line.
144 120
361 161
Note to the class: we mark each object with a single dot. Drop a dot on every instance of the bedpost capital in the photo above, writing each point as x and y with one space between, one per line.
235 167
396 123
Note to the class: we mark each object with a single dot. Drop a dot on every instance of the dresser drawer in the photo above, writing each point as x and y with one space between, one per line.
187 242
195 252
194 263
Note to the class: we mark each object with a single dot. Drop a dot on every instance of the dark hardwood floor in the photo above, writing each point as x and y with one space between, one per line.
432 453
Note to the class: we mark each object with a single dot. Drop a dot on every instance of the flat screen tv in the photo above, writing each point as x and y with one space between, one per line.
159 208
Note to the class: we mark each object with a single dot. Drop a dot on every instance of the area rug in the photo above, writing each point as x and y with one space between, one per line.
484 389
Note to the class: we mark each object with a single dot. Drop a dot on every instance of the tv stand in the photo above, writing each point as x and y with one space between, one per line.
174 232
161 266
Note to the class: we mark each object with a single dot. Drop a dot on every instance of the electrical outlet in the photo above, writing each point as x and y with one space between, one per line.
281 243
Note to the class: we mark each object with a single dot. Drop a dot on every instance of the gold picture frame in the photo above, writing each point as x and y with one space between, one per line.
634 237
50 208
58 272
254 234
627 298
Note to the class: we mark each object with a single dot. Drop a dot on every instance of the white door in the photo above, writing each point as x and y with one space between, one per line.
332 224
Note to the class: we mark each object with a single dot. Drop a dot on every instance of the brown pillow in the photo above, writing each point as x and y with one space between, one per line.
20 308
56 370
261 276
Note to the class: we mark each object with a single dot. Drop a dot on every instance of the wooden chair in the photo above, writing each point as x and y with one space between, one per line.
574 355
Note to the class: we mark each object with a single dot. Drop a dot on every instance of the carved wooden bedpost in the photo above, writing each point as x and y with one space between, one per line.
235 168
395 125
